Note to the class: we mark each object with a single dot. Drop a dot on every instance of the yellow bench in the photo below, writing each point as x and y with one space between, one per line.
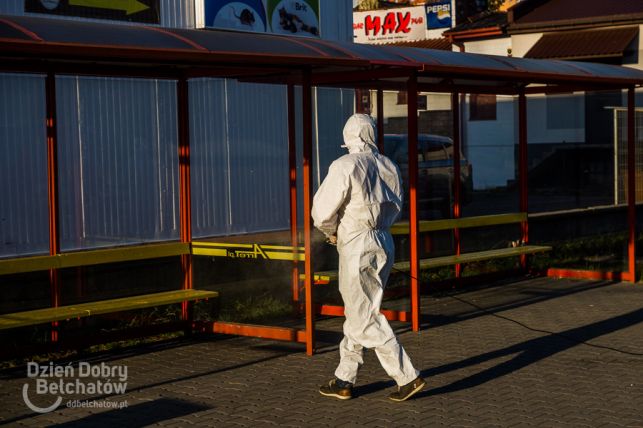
61 313
95 257
92 257
449 224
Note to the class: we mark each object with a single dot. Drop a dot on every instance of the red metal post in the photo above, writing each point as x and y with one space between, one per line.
380 120
52 191
292 166
184 186
307 110
631 185
457 186
261 331
413 217
522 169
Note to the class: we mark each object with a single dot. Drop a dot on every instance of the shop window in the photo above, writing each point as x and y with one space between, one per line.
482 107
401 98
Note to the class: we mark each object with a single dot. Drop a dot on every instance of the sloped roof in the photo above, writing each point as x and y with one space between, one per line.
532 14
30 43
487 19
440 44
586 44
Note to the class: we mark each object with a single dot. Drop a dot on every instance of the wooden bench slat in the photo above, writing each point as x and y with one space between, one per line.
92 257
434 262
40 316
402 228
473 257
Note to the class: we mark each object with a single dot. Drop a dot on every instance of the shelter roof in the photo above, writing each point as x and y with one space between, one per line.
69 46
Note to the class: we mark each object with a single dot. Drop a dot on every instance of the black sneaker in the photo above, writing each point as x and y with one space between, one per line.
407 391
338 389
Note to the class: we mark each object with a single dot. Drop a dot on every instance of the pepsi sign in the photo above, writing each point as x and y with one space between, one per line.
438 15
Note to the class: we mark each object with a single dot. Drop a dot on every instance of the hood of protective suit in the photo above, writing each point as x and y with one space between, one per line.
359 133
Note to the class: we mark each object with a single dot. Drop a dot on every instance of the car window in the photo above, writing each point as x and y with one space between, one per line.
430 148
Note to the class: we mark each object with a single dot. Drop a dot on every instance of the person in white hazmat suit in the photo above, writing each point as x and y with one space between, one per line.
358 201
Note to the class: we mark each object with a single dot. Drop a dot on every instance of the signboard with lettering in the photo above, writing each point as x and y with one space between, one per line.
290 17
438 14
390 25
146 11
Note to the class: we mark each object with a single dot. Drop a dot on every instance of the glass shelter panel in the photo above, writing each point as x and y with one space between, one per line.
118 161
332 107
23 166
239 157
240 198
577 161
490 153
571 150
620 163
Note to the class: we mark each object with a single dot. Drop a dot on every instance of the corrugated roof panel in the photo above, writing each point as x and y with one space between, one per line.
457 59
605 70
10 31
557 10
443 44
250 43
583 44
529 65
90 33
374 52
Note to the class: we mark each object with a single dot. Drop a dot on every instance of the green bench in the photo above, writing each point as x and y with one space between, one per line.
451 224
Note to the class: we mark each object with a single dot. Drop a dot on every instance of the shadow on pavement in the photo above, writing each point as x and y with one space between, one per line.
538 295
530 352
156 384
139 415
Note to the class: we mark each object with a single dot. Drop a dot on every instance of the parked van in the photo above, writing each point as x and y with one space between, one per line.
435 173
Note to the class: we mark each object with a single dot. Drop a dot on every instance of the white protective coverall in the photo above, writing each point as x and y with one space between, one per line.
359 200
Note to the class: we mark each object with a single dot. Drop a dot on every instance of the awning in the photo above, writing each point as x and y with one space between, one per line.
61 46
587 44
442 43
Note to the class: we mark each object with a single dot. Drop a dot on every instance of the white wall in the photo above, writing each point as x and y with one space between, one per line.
393 109
521 43
499 46
490 145
639 54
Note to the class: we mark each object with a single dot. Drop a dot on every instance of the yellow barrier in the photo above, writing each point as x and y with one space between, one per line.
247 251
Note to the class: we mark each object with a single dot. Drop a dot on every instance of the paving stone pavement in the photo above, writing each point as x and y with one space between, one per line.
534 352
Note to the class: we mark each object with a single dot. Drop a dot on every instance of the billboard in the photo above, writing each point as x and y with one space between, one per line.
290 17
248 15
390 25
144 11
438 14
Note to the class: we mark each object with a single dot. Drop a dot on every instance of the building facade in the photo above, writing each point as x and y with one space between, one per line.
576 139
